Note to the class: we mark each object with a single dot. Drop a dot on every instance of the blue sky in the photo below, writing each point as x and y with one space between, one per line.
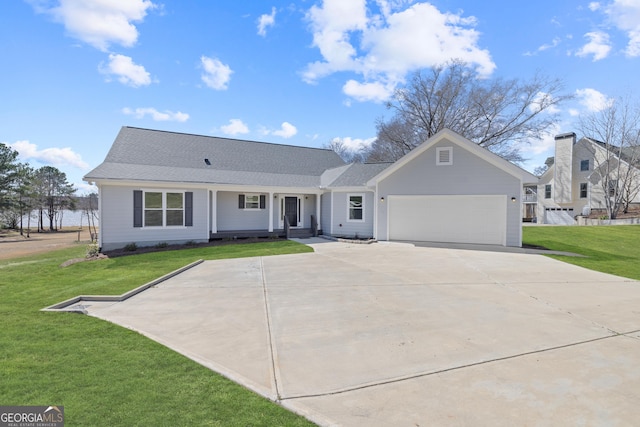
296 72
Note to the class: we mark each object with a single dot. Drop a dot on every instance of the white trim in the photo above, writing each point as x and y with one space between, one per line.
333 206
270 226
462 142
300 198
214 210
318 211
246 195
100 228
163 209
449 156
363 197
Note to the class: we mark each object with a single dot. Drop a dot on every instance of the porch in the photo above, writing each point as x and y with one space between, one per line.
279 233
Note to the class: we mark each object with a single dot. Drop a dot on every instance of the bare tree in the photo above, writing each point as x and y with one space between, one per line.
494 113
615 131
54 192
346 153
89 206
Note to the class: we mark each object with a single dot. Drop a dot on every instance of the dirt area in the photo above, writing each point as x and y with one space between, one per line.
13 245
633 212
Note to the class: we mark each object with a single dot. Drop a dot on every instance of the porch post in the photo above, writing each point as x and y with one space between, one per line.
270 212
214 211
318 210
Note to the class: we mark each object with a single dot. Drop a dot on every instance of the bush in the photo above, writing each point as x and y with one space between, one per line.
92 250
162 245
131 247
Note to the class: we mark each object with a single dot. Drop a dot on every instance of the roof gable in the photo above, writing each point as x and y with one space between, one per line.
453 137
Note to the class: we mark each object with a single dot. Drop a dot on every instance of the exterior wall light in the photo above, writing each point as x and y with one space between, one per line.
382 199
513 199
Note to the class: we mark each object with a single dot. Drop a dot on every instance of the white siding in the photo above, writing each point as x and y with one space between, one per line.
325 217
468 175
231 218
116 224
342 226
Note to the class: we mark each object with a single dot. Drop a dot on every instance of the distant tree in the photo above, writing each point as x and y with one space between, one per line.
8 167
89 206
54 194
495 113
616 152
24 198
346 153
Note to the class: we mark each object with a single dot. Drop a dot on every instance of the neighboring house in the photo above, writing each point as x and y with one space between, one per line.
573 184
166 187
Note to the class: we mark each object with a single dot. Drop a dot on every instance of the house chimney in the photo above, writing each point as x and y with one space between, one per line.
563 164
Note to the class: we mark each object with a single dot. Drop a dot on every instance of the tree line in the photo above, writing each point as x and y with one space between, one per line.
41 194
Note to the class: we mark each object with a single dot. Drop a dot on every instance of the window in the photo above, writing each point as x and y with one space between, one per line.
583 190
444 156
163 209
252 201
356 207
547 191
613 186
584 165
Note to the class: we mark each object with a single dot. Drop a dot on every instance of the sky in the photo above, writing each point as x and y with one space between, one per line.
299 72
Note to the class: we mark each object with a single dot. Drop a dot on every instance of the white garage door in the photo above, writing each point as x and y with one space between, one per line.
455 219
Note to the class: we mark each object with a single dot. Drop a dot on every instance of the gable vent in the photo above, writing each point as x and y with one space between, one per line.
207 162
444 156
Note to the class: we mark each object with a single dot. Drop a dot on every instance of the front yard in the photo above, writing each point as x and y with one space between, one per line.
609 249
105 375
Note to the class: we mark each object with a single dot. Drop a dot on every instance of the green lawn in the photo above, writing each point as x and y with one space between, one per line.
610 249
103 374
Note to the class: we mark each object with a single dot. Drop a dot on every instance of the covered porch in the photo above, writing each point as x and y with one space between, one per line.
236 213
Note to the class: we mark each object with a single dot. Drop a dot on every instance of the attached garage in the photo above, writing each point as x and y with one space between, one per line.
480 219
450 190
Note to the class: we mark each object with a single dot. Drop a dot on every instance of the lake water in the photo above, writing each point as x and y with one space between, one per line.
69 219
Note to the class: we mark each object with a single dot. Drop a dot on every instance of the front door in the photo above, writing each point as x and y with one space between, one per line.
291 210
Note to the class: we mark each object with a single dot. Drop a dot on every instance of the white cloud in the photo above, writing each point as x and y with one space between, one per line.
354 144
375 91
99 22
127 72
594 5
287 130
265 21
158 116
599 45
235 127
216 75
593 100
384 47
625 15
49 156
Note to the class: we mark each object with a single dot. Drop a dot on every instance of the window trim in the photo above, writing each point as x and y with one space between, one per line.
584 187
349 207
547 191
261 201
163 209
444 149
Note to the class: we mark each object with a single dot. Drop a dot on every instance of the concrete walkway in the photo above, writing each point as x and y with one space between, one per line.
392 334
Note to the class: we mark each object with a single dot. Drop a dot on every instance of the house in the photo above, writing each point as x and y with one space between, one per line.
577 181
167 187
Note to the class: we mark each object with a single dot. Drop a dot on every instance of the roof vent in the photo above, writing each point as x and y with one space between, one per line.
207 162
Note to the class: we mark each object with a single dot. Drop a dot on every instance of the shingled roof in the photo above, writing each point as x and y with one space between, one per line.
153 155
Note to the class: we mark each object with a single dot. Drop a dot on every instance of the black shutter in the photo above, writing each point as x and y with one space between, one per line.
188 209
263 201
137 208
240 201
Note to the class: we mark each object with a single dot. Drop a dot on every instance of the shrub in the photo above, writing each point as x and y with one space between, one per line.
162 245
131 247
92 250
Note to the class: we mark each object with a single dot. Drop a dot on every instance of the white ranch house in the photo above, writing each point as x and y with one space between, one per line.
167 187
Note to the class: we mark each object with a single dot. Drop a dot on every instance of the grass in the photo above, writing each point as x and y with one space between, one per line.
106 375
609 249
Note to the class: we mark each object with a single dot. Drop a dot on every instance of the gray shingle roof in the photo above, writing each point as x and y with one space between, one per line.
357 174
152 155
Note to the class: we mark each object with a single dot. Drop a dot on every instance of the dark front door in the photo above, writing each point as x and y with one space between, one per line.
291 210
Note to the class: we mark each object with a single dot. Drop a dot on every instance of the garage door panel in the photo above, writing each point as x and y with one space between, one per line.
457 219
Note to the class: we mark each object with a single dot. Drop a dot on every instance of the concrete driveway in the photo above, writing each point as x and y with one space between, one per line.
392 334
